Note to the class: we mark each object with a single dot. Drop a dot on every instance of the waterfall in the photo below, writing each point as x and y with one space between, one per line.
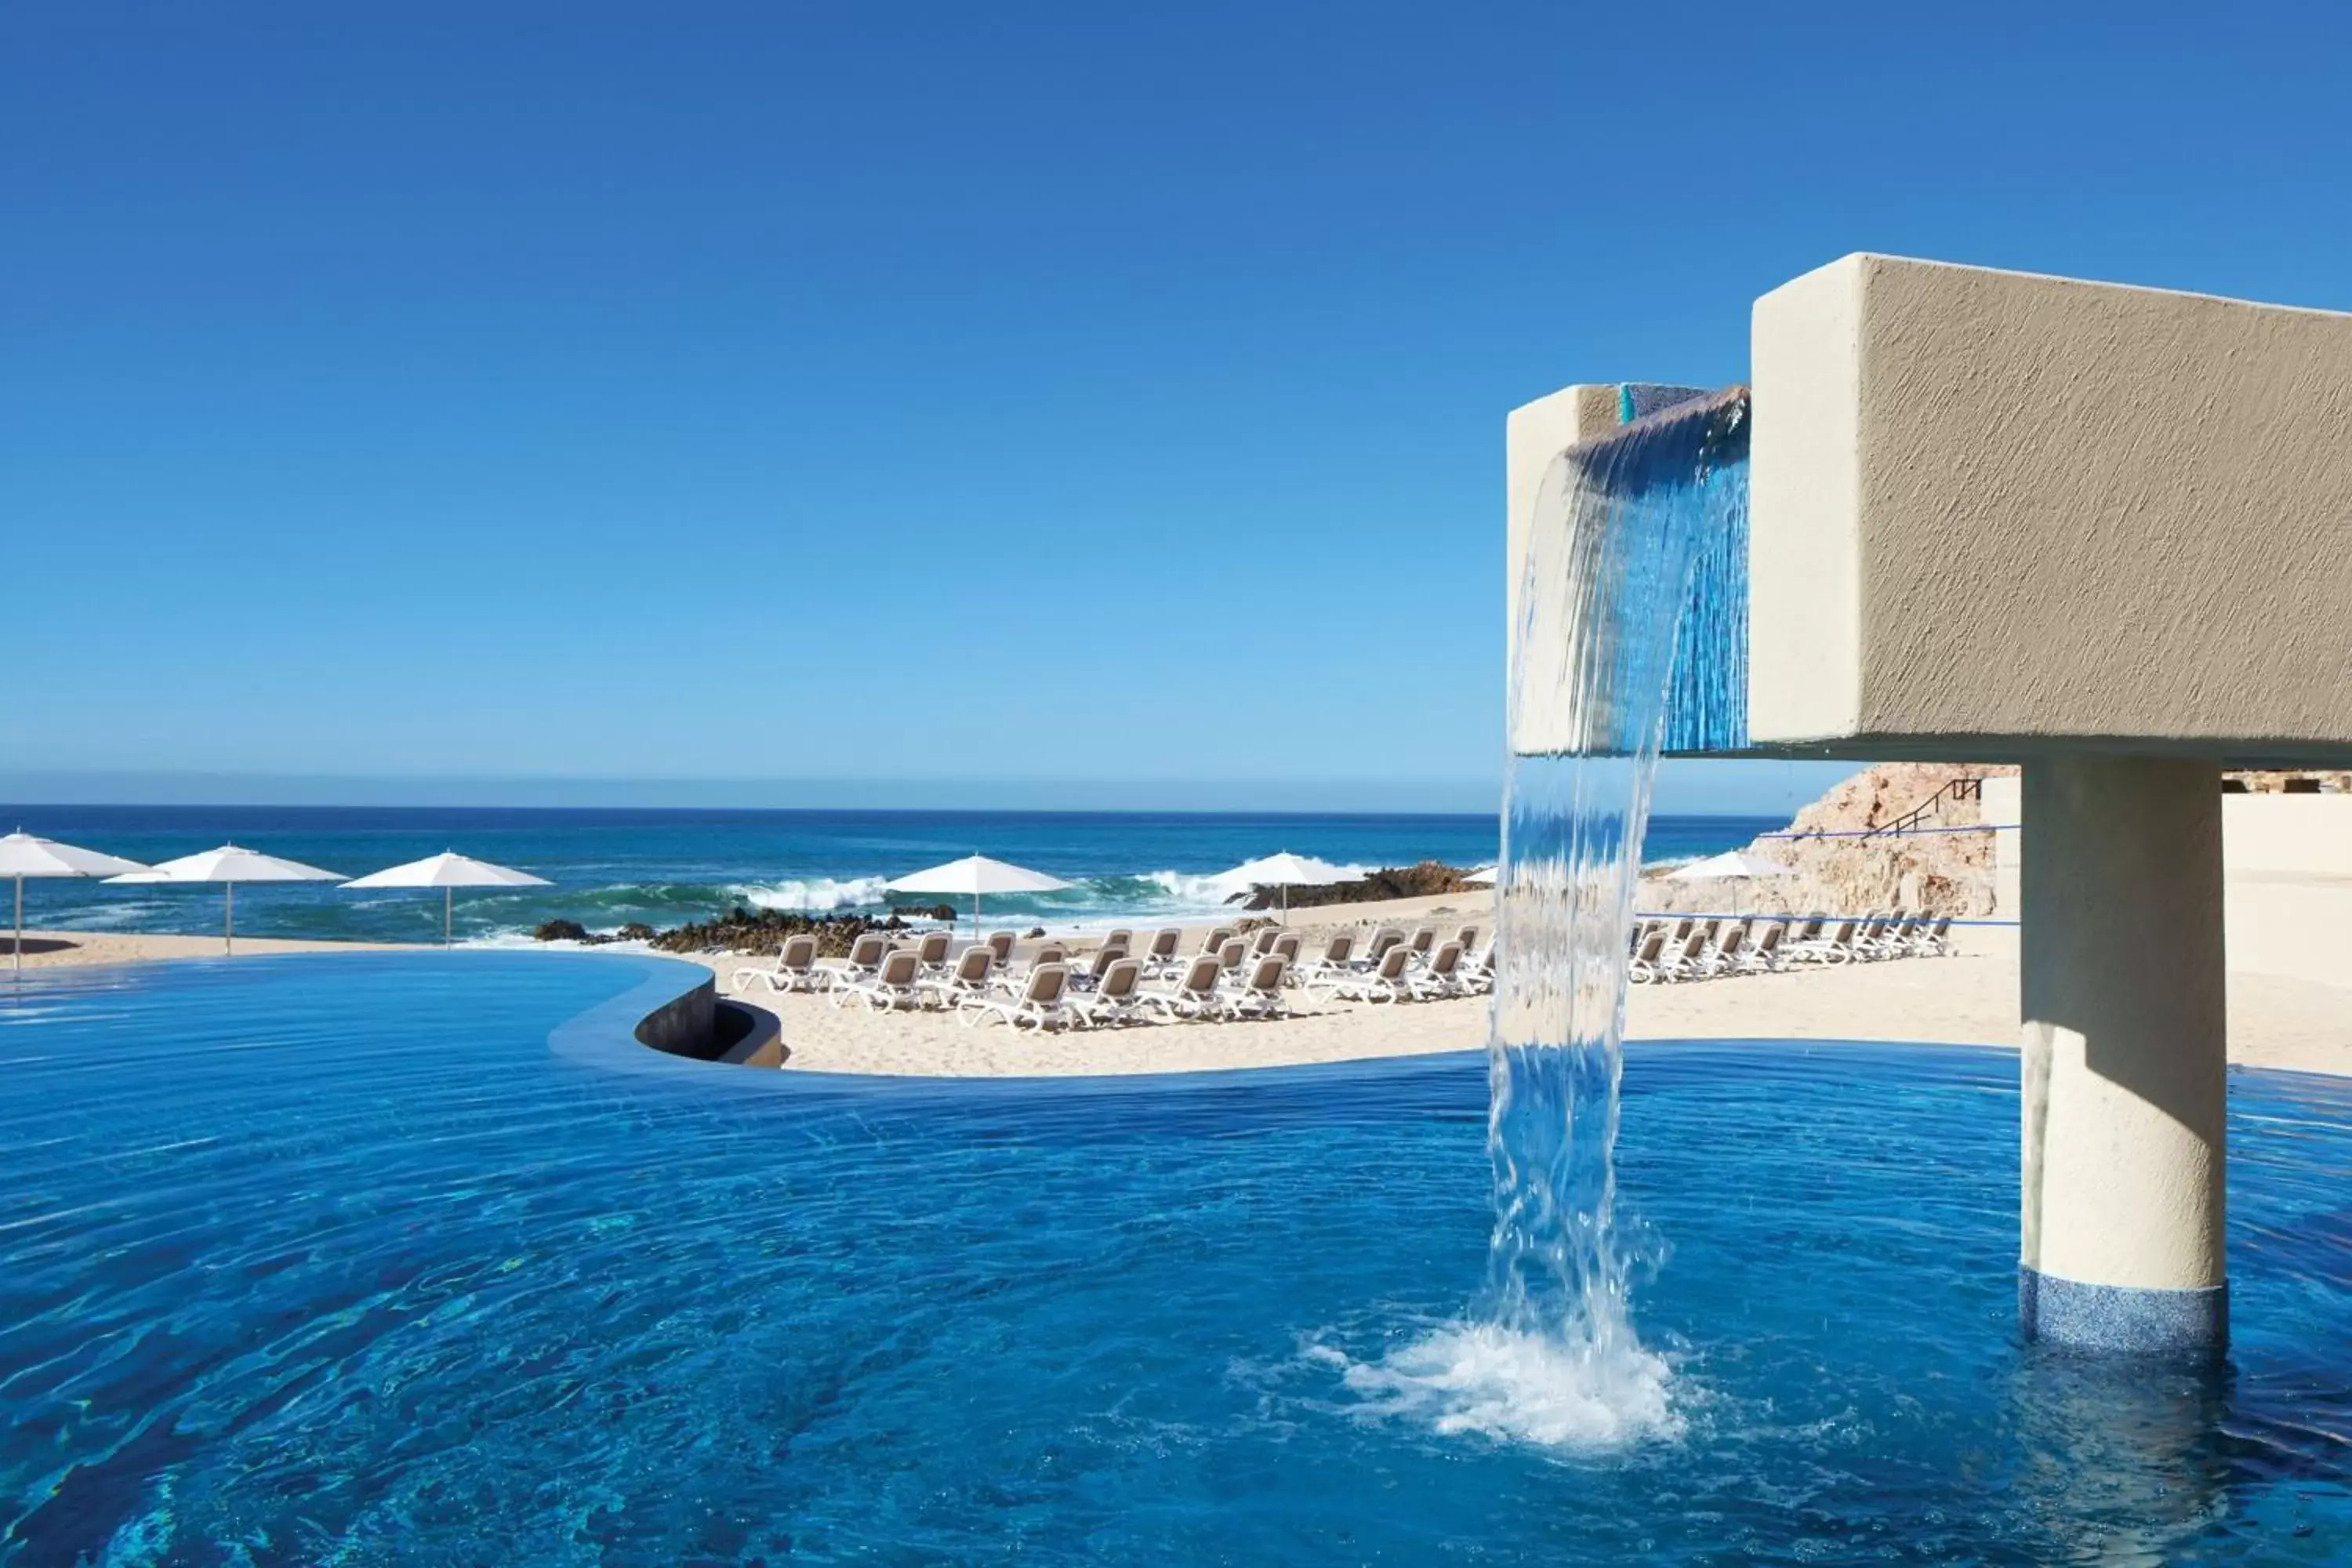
1632 606
1632 635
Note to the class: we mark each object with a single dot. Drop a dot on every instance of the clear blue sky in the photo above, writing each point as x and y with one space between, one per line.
929 393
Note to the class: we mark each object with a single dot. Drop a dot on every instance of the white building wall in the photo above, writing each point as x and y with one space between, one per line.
2286 865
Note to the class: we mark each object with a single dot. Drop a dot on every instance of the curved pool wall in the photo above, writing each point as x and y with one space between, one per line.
424 1258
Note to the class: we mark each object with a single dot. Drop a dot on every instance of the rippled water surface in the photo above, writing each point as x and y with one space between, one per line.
348 1260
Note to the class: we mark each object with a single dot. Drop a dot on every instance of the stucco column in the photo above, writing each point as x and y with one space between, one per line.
2124 1034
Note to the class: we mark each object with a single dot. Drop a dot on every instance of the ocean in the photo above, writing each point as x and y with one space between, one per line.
611 867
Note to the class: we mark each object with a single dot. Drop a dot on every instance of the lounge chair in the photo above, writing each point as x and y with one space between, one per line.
1765 956
1643 970
1000 943
1337 953
1015 982
968 978
1686 961
1286 948
1194 997
1261 995
1936 941
1725 959
1837 947
1232 956
1424 941
865 960
1903 940
1377 948
1436 980
1098 964
795 969
1161 959
1043 1003
1468 938
1120 937
1477 974
1384 984
893 985
931 952
1216 939
1117 1000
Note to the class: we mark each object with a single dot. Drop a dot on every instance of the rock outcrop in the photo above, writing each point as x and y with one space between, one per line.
764 931
1430 876
1850 870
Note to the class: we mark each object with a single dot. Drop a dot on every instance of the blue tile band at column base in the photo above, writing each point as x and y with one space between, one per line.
2122 1317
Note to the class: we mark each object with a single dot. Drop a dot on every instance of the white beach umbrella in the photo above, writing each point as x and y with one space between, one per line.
448 872
1285 871
230 865
976 874
1731 866
22 856
1483 874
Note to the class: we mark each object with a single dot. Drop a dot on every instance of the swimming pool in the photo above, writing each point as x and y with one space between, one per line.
346 1261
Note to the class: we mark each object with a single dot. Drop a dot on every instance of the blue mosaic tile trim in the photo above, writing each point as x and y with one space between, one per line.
2122 1317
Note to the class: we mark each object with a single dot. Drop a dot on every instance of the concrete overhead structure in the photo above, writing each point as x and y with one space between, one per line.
2105 532
1993 513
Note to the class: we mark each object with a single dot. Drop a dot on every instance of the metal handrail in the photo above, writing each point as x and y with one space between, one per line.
1967 786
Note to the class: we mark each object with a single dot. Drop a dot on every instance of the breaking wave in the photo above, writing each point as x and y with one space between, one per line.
815 895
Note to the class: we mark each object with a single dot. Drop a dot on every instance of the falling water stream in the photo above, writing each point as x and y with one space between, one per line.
1631 636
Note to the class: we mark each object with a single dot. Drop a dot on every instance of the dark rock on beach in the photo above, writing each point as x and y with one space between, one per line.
764 931
562 931
1430 876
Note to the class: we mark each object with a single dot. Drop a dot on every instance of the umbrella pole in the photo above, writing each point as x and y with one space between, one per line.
228 919
20 925
448 895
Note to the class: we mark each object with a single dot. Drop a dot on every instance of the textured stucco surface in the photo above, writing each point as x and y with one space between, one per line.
2122 982
2074 513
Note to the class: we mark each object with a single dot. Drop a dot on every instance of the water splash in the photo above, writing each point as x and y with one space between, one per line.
1632 634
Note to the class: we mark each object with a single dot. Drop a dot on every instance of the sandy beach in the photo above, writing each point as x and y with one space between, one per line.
1969 998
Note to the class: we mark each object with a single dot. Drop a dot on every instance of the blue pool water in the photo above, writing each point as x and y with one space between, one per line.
419 1259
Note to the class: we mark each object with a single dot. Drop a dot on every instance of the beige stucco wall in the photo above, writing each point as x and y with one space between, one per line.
1996 514
2124 1015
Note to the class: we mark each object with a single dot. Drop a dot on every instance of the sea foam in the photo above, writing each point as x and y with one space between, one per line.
814 894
